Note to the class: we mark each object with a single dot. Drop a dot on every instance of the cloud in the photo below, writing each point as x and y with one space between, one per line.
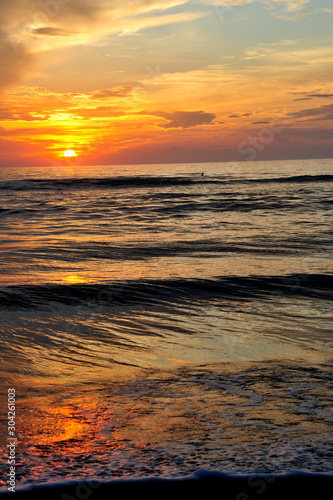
35 104
6 114
239 116
324 112
290 52
311 95
186 119
113 92
104 112
306 134
26 132
288 4
321 95
290 10
18 115
15 64
30 27
49 31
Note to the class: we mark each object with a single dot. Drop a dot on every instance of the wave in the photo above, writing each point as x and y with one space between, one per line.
148 181
168 291
295 178
109 182
80 252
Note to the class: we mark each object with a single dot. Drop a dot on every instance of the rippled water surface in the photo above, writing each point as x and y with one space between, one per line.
155 320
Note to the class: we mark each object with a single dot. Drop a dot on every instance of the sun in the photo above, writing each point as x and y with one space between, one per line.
69 153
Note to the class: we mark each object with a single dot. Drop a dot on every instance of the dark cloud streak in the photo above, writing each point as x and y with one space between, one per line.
324 112
112 92
49 31
186 119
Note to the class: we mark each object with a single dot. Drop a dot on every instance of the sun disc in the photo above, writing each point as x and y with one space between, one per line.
69 153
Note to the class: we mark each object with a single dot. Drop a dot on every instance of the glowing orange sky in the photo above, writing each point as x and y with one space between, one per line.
165 81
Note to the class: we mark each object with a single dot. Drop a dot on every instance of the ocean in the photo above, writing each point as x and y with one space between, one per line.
160 320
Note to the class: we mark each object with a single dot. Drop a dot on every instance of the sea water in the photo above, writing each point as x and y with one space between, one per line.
161 319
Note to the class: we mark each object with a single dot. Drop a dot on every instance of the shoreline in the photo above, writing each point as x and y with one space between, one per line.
296 484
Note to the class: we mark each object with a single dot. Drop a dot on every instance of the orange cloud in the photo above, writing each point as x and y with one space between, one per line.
177 93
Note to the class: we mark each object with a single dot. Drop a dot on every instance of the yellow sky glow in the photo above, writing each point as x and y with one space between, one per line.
141 82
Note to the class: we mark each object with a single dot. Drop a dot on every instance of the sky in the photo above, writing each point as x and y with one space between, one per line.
173 81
